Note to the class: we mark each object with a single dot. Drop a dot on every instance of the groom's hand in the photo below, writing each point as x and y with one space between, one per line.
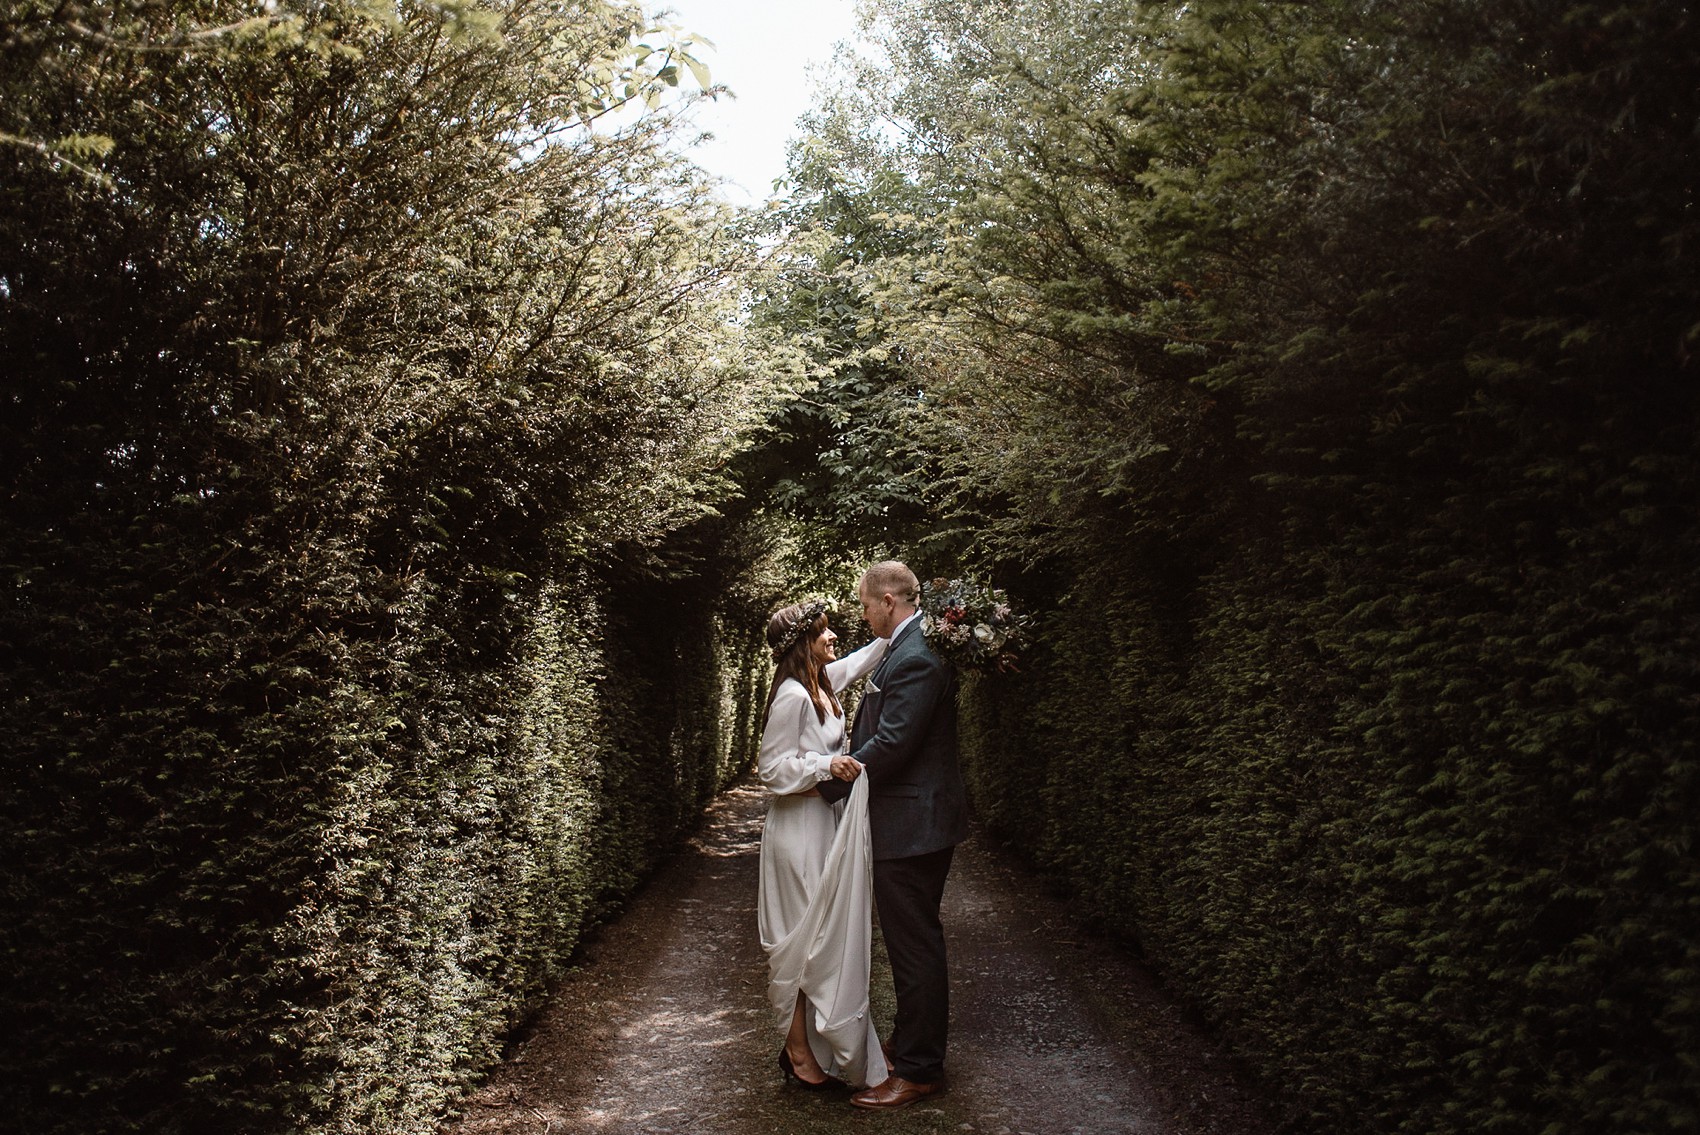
846 768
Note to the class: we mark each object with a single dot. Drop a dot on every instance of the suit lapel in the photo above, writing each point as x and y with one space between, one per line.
914 627
891 651
863 726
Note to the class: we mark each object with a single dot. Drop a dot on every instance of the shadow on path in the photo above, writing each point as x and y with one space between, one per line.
664 1026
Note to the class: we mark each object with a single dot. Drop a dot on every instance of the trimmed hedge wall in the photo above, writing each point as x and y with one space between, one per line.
1324 372
362 640
299 865
1399 785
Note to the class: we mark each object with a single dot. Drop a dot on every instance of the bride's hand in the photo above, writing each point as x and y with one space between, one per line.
846 768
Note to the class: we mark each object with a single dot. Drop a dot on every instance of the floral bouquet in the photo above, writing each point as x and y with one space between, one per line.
970 626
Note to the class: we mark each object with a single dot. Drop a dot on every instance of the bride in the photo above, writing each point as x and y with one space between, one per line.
813 908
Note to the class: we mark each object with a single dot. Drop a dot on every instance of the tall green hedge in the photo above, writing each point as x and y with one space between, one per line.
1322 374
1409 813
322 907
355 368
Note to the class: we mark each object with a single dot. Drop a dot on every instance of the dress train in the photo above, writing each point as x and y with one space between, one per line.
826 954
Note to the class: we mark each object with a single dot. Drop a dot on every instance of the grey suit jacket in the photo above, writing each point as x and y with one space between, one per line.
905 735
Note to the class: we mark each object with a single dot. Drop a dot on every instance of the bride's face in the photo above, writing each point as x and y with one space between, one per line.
823 648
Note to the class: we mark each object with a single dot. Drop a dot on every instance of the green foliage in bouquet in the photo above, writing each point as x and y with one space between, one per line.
970 625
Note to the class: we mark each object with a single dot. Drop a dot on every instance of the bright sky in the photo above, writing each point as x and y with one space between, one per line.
762 50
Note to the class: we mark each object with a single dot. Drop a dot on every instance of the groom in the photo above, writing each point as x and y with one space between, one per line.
905 739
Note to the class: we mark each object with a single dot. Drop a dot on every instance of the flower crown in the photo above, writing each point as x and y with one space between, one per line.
812 610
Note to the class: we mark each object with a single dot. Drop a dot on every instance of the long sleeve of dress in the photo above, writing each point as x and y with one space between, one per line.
857 664
783 764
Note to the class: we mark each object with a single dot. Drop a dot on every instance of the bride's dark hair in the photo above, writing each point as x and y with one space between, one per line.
791 634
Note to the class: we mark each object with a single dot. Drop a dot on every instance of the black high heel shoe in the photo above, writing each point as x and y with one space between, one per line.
790 1071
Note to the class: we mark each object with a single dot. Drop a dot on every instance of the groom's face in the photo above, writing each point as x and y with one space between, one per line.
877 611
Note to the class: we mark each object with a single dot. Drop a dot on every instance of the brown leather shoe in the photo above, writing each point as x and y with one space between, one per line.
895 1092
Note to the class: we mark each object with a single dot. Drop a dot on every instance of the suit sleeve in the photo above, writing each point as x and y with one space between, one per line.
833 790
914 686
782 764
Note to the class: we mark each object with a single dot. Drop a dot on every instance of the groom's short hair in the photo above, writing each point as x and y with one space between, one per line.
895 577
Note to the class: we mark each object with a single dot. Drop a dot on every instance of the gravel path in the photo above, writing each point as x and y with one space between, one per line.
664 1027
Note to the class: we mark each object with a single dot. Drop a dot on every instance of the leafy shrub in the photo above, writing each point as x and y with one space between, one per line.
1326 372
353 378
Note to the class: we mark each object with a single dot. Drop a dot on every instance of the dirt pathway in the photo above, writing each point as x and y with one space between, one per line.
664 1027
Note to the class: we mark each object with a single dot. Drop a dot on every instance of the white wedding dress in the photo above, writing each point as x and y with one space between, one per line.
814 907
